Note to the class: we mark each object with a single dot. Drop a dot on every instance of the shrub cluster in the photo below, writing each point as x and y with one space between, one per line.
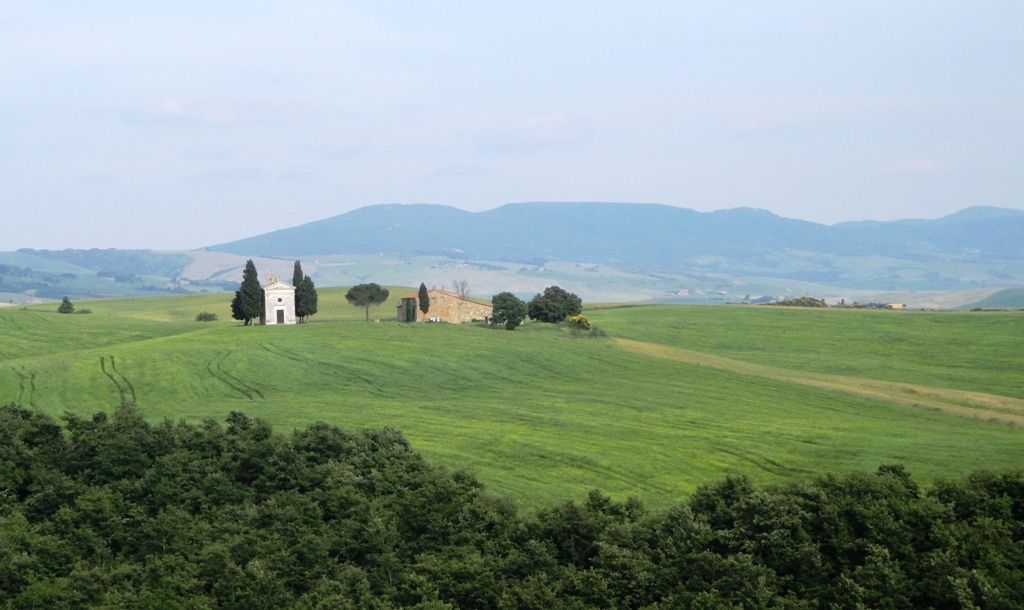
206 316
554 305
66 306
800 302
507 310
114 512
578 321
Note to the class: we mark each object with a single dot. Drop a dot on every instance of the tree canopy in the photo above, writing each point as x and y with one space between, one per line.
367 295
66 306
423 298
305 293
507 309
248 302
554 305
305 299
113 511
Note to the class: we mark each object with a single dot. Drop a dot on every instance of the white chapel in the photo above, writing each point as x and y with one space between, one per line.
278 302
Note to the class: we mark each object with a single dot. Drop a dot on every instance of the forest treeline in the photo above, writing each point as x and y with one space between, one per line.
115 512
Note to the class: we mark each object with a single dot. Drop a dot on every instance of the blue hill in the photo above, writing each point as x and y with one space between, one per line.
648 235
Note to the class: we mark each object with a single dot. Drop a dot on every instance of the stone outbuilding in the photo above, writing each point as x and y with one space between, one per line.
278 302
444 307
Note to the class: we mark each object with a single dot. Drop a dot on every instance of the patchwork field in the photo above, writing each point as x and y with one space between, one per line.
673 397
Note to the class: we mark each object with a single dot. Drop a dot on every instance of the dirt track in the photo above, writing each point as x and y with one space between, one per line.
957 402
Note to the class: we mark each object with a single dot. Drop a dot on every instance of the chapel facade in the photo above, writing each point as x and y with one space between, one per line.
278 302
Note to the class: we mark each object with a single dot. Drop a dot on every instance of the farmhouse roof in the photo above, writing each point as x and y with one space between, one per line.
416 295
451 294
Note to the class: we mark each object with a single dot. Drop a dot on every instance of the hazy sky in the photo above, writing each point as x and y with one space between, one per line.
183 124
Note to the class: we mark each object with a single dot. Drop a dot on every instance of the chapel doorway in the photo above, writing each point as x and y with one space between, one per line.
280 316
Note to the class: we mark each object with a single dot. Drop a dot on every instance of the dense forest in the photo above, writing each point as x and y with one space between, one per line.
113 512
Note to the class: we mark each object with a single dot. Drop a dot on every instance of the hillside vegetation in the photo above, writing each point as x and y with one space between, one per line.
113 512
543 416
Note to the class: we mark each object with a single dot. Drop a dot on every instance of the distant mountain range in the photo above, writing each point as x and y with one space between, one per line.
602 251
648 236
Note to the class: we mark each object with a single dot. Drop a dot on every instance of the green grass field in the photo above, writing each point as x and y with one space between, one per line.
674 397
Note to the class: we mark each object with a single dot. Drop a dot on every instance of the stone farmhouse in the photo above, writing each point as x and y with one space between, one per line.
278 302
444 307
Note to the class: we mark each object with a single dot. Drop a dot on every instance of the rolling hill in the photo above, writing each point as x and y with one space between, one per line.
647 235
603 251
672 397
1010 298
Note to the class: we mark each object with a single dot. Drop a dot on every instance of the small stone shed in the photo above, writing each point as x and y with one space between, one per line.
444 307
278 302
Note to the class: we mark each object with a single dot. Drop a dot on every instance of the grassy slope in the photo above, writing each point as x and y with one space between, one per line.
536 413
967 351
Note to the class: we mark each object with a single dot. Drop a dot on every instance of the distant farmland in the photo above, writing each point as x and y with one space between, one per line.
673 397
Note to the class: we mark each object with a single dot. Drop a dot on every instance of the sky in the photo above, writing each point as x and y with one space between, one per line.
174 125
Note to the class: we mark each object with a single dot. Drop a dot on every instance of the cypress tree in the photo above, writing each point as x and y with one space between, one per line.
297 276
305 298
424 298
248 302
236 306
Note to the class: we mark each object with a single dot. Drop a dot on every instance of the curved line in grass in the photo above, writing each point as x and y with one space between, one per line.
216 370
113 380
131 388
21 384
248 386
978 405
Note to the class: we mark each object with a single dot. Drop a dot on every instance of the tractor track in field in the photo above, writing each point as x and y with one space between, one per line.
216 368
32 389
761 461
21 385
964 403
26 386
121 392
131 388
333 368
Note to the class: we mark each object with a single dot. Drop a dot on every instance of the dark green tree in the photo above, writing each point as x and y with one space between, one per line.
248 302
112 511
236 306
554 305
508 309
66 306
367 295
305 299
424 299
297 275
